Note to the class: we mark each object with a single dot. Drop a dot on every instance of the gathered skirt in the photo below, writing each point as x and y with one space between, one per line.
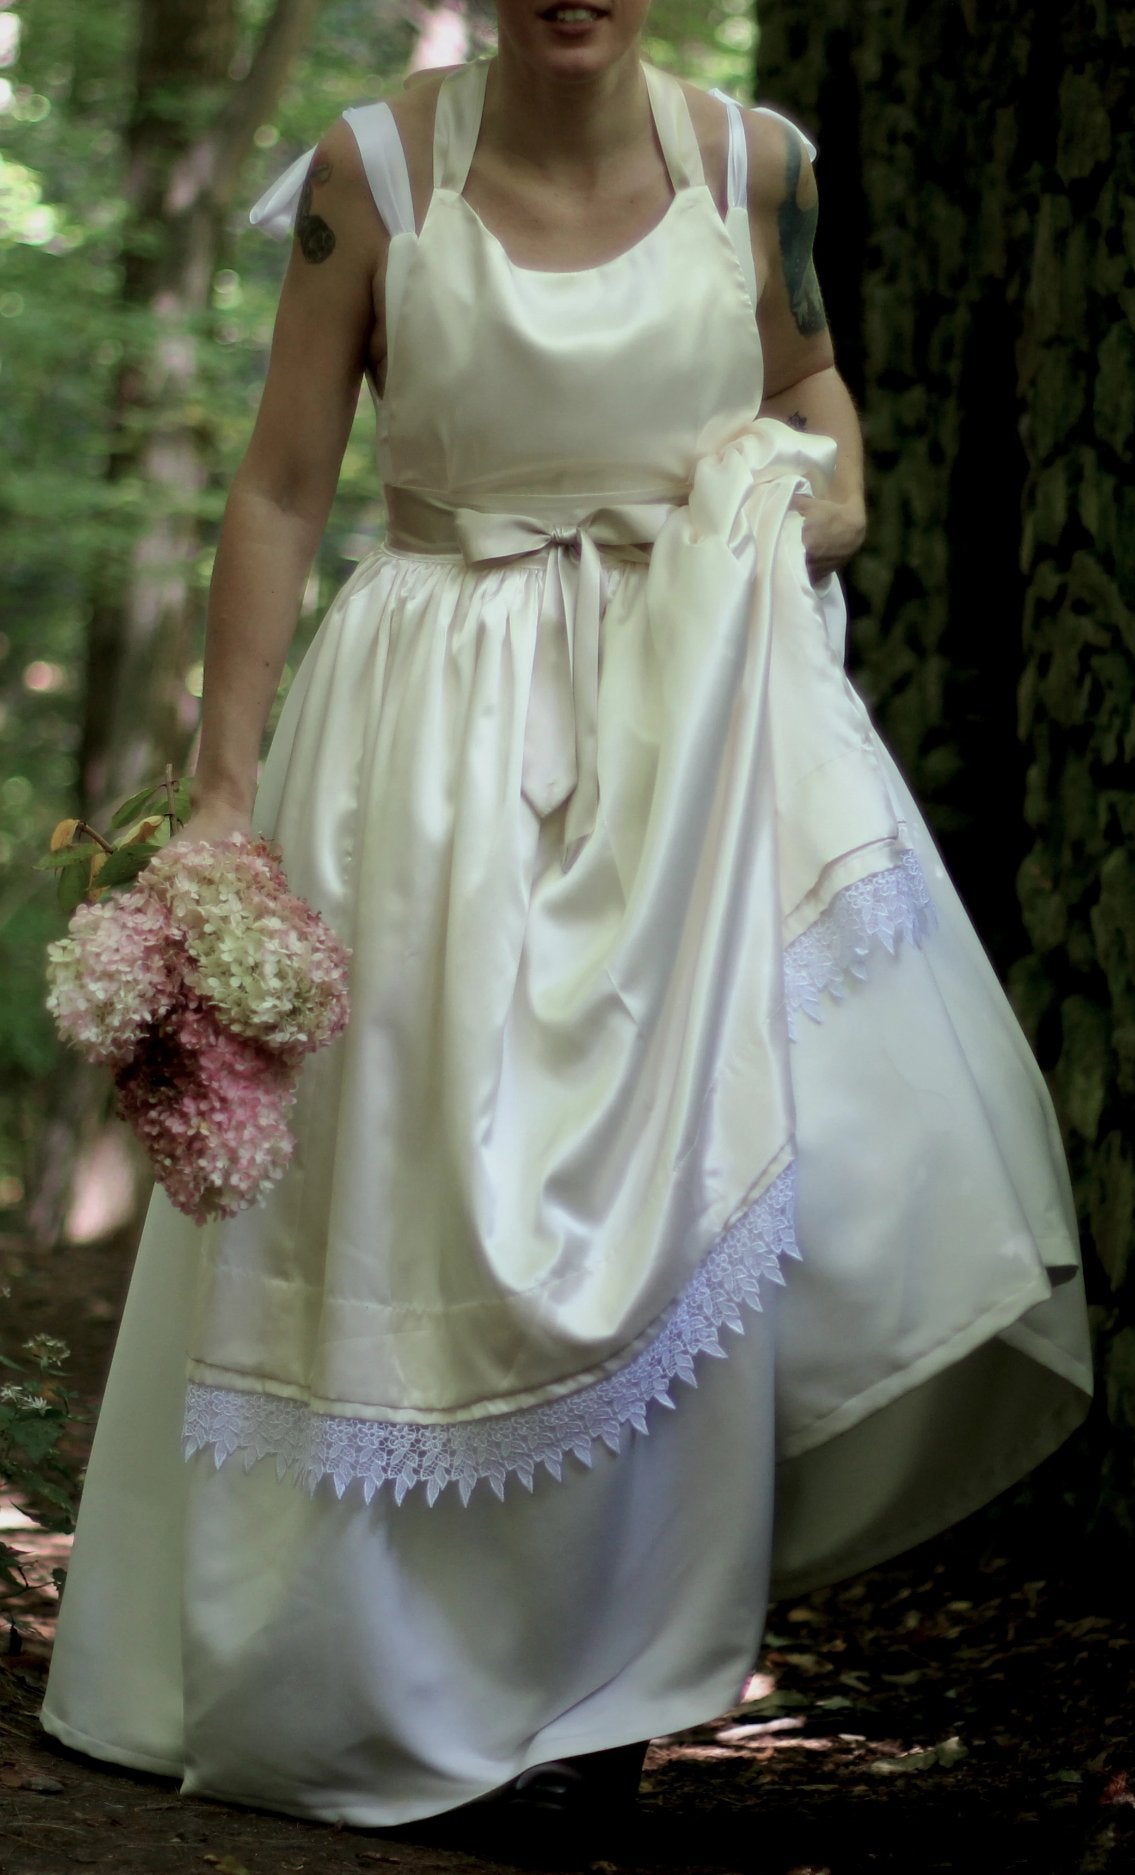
369 1660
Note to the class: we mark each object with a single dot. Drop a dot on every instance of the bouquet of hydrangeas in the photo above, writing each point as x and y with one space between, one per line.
201 987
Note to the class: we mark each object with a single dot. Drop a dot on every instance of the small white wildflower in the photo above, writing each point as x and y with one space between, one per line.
47 1351
24 1400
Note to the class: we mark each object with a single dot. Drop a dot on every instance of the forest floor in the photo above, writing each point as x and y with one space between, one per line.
969 1707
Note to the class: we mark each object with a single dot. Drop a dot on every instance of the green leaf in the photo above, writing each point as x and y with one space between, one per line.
126 862
66 856
34 1437
50 1494
182 800
72 888
10 1572
137 803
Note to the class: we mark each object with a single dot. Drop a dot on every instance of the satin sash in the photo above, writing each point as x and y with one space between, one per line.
561 729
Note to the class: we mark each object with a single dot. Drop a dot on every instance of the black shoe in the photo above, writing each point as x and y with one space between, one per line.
612 1777
565 1810
556 1792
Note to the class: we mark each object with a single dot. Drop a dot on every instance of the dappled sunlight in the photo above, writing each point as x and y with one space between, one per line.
39 1551
104 1190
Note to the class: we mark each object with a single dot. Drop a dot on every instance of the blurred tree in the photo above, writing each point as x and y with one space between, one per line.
188 132
135 313
975 247
204 79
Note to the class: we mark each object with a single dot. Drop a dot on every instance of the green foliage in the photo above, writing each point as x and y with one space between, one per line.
713 44
86 864
66 334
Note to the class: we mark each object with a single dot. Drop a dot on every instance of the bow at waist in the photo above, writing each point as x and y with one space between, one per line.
561 734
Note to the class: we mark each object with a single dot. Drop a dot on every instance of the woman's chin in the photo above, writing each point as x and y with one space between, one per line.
575 48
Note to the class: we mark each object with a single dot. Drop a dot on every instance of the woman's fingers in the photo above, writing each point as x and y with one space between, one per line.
833 531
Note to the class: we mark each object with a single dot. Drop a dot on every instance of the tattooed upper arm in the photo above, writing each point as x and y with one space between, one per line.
783 211
328 329
314 237
796 219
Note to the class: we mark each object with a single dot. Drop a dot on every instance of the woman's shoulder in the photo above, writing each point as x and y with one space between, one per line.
774 146
413 107
413 110
335 190
355 145
710 121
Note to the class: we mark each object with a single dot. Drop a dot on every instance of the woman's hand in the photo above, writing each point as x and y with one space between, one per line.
212 819
833 531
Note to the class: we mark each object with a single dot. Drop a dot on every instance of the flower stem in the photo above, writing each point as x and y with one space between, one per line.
91 833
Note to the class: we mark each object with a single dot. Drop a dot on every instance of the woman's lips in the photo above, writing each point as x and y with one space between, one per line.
573 19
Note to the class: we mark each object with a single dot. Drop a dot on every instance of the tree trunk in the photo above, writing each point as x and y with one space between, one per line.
976 255
189 130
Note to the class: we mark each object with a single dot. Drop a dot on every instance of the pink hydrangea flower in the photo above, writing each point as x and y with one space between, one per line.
113 975
203 987
264 959
210 1108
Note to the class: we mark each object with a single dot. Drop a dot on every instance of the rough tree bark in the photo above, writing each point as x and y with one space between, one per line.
978 253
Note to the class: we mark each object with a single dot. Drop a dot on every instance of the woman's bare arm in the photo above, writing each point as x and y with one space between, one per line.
282 492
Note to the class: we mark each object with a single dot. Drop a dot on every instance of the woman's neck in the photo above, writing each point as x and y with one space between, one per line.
550 123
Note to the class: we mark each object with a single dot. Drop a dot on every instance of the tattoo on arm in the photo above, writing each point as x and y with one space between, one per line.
797 228
797 420
315 238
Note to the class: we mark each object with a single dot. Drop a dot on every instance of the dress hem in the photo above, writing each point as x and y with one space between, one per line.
944 1354
135 1760
667 1717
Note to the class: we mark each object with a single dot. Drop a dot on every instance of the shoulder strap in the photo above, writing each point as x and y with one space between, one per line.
457 123
738 183
675 130
384 161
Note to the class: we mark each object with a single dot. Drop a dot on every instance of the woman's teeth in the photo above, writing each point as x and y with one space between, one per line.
571 16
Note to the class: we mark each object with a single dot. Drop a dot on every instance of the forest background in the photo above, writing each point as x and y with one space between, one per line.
978 254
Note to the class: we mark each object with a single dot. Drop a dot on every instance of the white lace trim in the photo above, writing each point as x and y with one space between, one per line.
374 1452
882 909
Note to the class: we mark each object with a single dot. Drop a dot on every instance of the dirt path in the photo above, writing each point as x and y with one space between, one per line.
960 1710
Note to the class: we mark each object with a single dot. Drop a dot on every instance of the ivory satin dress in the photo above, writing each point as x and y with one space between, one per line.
682 1204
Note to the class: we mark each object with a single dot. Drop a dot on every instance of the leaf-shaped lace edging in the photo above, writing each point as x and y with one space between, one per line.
882 909
372 1452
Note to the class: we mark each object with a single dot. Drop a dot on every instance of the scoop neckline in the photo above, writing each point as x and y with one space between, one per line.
562 273
685 186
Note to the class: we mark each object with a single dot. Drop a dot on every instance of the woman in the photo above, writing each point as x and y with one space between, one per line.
658 986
